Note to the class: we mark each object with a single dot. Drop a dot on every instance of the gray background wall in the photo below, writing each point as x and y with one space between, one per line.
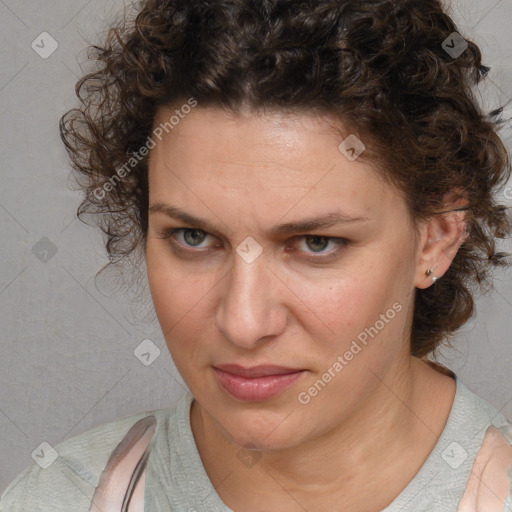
67 351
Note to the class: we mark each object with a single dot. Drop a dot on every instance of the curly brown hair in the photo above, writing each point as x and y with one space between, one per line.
379 66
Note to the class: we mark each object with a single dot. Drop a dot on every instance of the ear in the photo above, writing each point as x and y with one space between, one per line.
440 239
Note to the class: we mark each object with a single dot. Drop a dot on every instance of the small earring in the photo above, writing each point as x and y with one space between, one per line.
430 272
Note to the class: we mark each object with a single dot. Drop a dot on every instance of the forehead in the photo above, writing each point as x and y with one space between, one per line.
286 136
271 162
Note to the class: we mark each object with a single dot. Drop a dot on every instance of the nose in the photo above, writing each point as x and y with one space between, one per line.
250 308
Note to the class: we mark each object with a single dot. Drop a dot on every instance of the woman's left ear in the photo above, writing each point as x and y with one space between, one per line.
441 237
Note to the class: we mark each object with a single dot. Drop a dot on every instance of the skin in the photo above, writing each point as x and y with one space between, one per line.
364 436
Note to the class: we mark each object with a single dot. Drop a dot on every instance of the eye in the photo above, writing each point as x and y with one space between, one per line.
187 239
192 237
318 243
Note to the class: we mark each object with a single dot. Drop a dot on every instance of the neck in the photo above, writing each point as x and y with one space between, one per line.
399 414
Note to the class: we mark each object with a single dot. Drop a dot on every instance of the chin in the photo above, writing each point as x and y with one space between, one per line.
260 429
261 441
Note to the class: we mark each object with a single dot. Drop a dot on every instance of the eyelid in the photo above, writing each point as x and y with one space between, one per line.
168 234
339 242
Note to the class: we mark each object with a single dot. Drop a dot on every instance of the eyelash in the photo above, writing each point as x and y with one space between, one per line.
340 242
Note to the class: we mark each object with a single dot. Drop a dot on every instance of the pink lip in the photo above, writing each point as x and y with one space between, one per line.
257 383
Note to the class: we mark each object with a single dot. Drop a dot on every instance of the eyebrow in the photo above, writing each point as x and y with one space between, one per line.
301 226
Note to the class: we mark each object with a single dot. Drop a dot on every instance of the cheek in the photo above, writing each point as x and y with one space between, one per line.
180 299
168 289
336 307
368 307
346 302
169 285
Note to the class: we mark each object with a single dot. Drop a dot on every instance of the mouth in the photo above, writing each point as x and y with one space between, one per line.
257 383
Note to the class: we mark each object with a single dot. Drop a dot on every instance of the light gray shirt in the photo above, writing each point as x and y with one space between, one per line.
176 479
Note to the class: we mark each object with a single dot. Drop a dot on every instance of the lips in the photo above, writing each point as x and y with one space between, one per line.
257 371
256 383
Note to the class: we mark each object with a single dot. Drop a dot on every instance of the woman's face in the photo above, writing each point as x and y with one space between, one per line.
313 319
